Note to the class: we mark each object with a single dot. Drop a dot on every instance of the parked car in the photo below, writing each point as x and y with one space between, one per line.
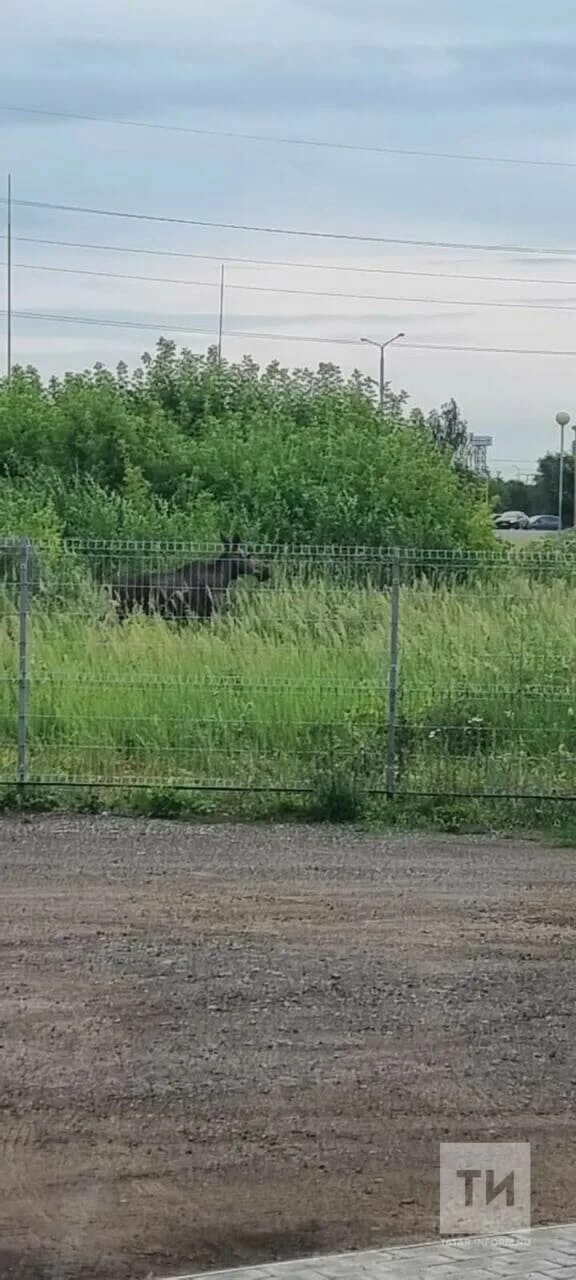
511 520
544 522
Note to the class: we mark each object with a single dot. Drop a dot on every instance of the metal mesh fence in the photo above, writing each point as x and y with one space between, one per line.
402 672
487 673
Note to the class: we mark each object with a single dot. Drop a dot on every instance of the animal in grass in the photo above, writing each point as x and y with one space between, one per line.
195 590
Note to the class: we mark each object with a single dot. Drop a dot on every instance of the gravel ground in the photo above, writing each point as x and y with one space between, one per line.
224 1044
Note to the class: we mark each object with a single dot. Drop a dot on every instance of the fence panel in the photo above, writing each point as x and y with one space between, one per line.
178 665
487 702
11 641
23 657
400 672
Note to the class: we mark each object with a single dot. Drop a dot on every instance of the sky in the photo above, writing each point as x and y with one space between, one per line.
428 75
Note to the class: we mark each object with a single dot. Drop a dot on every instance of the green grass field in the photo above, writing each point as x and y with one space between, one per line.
289 689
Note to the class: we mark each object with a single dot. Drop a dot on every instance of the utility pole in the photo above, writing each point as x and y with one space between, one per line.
221 314
9 282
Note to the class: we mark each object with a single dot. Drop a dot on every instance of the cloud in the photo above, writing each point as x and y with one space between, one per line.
544 260
444 17
486 79
181 23
412 79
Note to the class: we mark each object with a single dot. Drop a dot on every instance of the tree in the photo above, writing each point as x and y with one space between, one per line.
187 445
546 486
449 430
540 496
513 495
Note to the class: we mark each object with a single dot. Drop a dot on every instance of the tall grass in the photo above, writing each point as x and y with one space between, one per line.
289 689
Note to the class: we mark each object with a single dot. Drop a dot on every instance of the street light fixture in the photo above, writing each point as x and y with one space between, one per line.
382 347
562 419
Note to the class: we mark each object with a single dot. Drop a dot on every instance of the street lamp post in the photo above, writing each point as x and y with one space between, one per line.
574 478
382 347
562 419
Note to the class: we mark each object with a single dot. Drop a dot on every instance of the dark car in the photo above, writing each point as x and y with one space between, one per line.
551 523
511 520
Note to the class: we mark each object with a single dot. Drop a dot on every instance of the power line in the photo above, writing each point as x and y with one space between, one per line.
276 262
301 293
283 231
318 143
177 328
59 318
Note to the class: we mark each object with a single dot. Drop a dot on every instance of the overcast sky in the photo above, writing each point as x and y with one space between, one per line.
430 75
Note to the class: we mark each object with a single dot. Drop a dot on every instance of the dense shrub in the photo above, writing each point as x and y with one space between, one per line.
185 447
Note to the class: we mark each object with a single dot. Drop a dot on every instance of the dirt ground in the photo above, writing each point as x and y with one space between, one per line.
223 1044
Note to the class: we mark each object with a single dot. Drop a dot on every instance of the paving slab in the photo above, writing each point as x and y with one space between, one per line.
548 1253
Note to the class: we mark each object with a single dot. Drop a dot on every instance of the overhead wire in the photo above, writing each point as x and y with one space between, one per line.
347 236
302 293
276 262
159 326
283 140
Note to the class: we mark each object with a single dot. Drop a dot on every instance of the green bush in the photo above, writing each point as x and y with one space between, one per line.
185 448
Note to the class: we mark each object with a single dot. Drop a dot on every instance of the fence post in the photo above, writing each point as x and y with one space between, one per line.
391 779
23 674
